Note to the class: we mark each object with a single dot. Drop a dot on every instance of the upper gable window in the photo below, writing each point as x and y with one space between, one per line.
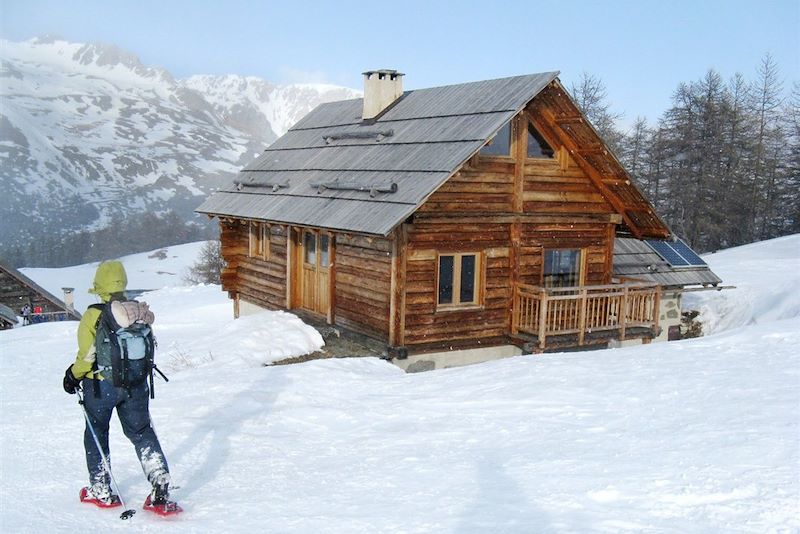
500 145
537 146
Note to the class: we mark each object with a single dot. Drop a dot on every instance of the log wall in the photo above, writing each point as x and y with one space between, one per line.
260 281
509 209
363 284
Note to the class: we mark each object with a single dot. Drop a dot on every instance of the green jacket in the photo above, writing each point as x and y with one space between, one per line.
109 280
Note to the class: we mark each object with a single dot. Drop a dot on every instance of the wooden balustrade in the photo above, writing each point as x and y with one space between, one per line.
545 312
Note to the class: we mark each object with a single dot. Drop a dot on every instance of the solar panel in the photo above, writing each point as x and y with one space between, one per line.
664 250
676 253
688 254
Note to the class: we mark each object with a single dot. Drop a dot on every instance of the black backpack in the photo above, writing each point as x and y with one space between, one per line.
125 355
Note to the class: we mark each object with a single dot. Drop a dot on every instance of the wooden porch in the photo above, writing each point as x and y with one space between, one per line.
577 316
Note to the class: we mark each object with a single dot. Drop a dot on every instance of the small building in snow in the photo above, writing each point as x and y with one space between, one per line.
17 290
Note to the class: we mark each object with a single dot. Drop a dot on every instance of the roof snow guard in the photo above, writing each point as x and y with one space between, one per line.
335 170
375 173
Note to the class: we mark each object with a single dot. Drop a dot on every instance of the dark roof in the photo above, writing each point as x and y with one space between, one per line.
8 315
633 258
334 170
36 288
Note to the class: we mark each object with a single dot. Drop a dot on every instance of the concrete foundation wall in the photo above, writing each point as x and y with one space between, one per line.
247 308
455 358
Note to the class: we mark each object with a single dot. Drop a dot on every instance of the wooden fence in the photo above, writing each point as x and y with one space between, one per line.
544 312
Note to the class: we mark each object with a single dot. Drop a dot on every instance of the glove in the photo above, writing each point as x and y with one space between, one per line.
71 384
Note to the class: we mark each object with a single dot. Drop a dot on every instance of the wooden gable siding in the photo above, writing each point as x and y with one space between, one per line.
557 117
260 281
363 281
509 209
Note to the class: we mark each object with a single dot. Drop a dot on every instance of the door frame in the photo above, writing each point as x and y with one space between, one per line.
297 266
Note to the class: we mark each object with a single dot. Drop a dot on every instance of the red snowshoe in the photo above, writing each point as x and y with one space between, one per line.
162 507
108 500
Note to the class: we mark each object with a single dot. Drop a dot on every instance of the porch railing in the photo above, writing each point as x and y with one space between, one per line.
545 312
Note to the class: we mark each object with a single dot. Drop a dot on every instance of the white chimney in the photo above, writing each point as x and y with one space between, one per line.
381 88
69 298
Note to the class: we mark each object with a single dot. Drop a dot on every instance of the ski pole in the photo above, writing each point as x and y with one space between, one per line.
127 514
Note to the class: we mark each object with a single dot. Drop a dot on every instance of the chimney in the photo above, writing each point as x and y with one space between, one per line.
381 88
69 298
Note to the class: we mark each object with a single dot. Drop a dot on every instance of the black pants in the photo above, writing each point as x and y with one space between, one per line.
134 414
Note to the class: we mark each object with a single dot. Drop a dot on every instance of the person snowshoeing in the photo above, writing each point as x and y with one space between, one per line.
92 373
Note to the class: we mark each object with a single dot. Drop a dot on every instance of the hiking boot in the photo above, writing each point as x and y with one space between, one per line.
160 494
158 501
100 495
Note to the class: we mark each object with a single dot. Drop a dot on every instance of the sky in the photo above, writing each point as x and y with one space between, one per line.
641 50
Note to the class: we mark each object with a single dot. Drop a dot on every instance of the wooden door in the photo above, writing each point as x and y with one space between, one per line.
314 275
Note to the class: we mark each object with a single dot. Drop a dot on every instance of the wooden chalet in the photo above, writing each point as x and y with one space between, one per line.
442 220
17 290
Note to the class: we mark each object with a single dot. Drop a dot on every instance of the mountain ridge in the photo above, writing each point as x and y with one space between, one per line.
90 136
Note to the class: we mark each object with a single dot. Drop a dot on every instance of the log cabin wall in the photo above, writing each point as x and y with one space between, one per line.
260 279
570 214
509 209
363 280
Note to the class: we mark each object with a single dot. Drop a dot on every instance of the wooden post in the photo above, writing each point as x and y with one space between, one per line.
623 320
582 316
657 309
331 277
514 263
394 290
515 311
542 317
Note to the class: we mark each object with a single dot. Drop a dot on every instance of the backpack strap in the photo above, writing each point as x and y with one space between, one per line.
96 382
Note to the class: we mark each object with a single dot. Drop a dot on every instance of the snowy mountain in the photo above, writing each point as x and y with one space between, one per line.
692 436
88 134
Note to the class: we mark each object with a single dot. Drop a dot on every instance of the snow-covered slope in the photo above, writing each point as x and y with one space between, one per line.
694 436
767 280
260 108
89 134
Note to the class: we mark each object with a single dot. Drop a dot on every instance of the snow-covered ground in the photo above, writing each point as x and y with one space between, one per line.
767 280
693 436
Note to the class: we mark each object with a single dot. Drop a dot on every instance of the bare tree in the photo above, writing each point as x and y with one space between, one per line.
591 96
767 103
209 265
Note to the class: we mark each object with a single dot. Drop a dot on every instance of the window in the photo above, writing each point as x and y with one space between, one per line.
324 257
500 145
259 241
316 245
537 146
562 268
459 280
310 248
